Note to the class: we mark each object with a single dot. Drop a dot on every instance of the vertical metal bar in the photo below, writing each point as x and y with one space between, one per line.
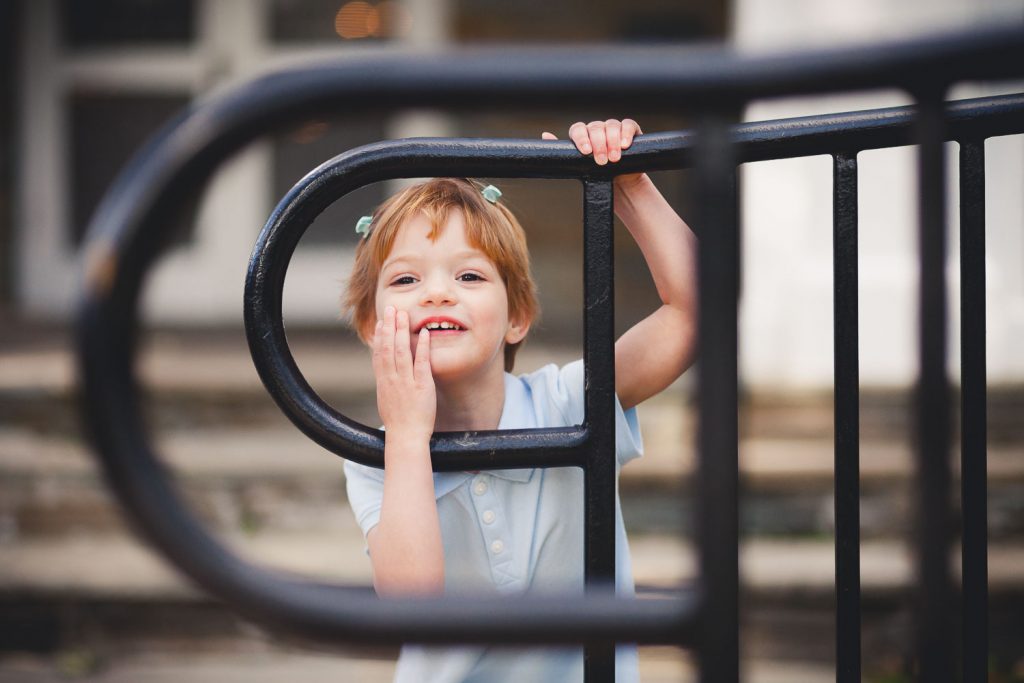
973 453
718 277
934 641
599 364
847 417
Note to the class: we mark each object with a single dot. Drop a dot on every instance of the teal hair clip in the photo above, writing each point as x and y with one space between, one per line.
363 226
491 194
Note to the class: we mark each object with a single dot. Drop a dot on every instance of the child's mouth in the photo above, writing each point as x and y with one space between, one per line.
443 327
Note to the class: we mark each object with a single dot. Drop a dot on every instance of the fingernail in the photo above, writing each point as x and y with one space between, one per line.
585 148
614 156
625 142
601 159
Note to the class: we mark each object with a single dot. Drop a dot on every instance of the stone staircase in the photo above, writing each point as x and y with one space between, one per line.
81 594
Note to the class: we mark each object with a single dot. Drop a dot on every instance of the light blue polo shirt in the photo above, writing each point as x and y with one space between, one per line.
513 531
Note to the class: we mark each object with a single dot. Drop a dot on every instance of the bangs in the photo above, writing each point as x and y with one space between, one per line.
485 231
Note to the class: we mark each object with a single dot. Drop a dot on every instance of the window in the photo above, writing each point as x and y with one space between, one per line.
126 22
106 129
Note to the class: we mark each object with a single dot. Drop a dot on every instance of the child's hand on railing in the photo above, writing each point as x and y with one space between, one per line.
605 140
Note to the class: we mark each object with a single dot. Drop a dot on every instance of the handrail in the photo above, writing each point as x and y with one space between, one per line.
130 231
425 157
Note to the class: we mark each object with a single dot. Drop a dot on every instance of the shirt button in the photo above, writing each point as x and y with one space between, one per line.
488 516
497 547
480 487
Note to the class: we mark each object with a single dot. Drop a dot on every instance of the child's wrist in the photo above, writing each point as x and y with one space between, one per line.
631 193
630 182
407 437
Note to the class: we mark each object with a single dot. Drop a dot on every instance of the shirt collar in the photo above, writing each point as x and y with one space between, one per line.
516 414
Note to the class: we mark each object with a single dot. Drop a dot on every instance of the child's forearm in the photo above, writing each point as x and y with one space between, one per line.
405 546
667 243
669 248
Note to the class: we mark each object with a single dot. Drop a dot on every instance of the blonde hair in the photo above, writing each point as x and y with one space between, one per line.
491 228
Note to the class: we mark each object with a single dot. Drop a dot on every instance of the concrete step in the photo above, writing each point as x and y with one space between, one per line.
264 477
204 376
121 566
260 662
76 586
245 465
107 598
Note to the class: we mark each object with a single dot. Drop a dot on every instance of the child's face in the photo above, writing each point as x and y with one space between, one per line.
449 282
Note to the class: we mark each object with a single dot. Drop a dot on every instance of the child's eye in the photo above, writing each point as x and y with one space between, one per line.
470 277
403 280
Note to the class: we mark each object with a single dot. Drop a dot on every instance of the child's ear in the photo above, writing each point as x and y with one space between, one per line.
517 330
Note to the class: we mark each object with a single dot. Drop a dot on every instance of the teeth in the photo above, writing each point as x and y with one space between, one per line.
442 326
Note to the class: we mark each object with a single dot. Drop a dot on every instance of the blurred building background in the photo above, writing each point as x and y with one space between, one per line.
82 86
87 83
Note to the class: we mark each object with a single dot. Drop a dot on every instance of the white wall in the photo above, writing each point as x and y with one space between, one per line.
786 309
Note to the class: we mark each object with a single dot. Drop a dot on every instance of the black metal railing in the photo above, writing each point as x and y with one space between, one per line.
128 234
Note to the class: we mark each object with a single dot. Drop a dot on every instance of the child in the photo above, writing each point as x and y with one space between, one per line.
441 290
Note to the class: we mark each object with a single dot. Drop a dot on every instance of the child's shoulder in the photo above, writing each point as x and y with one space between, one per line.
558 399
555 392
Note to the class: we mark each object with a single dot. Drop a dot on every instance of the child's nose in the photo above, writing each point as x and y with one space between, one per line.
438 292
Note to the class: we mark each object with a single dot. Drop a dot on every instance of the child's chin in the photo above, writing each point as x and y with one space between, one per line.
449 370
446 371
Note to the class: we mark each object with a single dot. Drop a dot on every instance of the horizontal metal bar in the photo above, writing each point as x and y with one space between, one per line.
669 78
755 141
357 615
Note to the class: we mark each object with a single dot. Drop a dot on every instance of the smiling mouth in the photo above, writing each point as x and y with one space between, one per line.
443 326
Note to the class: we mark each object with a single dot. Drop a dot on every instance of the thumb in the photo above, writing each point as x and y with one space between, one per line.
548 136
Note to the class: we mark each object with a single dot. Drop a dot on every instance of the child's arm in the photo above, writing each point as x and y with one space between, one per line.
405 546
669 247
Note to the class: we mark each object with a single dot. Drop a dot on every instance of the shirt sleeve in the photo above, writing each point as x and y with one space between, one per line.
565 394
365 488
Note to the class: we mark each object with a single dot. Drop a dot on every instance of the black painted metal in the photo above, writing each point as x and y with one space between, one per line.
847 417
599 369
522 158
932 447
718 430
973 453
129 232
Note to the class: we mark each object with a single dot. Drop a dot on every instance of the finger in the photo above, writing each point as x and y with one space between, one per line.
579 134
421 368
387 342
403 350
548 136
613 132
598 140
630 129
